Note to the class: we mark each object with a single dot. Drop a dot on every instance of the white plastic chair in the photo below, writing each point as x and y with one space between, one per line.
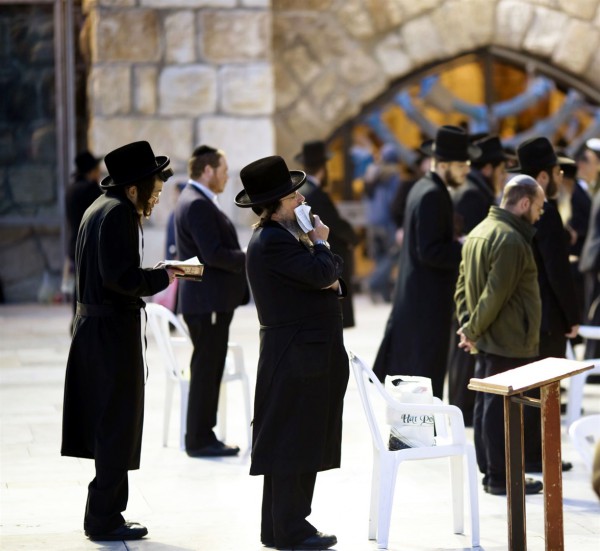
159 319
450 442
577 382
585 434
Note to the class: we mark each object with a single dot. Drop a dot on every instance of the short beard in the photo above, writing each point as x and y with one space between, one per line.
293 227
450 180
551 188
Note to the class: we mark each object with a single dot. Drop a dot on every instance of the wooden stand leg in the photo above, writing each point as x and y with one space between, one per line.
515 475
552 466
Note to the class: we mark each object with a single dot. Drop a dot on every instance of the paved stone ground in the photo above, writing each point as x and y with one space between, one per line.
213 505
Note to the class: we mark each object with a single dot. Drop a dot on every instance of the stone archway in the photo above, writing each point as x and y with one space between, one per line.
333 57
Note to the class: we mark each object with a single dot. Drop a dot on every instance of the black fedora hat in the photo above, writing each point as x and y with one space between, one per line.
267 180
491 150
131 163
536 154
451 144
85 161
313 153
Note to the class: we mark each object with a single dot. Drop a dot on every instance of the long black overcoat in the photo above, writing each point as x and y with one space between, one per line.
303 367
417 334
342 238
104 386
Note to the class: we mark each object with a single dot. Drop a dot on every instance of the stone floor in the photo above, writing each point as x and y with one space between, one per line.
197 504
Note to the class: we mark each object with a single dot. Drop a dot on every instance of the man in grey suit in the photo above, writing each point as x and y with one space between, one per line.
203 230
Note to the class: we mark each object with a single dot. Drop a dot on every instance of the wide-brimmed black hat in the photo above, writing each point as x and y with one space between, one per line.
536 154
313 153
451 144
491 150
131 163
266 181
85 161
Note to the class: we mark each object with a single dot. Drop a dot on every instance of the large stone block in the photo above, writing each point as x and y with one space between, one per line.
286 87
421 41
513 18
391 56
465 25
32 186
110 89
356 18
294 5
582 9
180 37
300 61
171 137
411 9
546 31
187 90
127 35
243 139
593 71
247 90
573 52
145 91
235 35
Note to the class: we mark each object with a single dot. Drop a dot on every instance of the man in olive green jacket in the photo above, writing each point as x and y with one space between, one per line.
499 311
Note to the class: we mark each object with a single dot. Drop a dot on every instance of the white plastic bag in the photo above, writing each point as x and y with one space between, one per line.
410 430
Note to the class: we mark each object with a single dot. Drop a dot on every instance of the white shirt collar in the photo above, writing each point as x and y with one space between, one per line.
207 191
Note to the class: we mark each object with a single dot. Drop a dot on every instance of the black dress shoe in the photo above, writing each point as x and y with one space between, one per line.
316 541
127 531
216 449
537 467
532 486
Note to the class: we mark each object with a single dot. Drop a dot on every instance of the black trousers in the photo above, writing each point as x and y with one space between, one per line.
461 368
107 499
488 419
209 334
552 345
286 503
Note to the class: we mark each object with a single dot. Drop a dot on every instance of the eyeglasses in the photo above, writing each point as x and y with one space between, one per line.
294 196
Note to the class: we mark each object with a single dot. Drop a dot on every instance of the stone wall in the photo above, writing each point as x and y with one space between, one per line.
331 57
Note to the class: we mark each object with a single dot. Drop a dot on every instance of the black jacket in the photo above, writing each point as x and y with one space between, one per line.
104 386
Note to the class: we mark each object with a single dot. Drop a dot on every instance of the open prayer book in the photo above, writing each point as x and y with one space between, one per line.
192 267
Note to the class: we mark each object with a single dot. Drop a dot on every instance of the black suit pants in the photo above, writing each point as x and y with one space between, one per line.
488 419
107 499
287 501
210 335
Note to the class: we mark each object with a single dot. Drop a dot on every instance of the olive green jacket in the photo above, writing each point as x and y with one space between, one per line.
497 294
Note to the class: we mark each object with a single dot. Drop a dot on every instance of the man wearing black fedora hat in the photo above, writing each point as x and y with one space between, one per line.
303 367
80 194
472 203
104 385
560 309
342 237
416 338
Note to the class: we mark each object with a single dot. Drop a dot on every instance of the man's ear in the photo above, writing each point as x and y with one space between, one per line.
132 193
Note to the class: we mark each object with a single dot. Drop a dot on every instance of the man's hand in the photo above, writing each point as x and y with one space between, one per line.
573 333
466 344
320 231
173 271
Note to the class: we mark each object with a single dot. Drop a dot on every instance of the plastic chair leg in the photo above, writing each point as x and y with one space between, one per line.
184 387
167 413
472 470
458 505
575 396
373 517
387 485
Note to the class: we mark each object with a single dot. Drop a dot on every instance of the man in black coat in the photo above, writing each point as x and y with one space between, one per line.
417 335
202 229
104 387
80 194
472 203
560 307
303 367
342 236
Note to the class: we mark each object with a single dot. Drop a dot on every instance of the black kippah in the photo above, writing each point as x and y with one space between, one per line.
203 150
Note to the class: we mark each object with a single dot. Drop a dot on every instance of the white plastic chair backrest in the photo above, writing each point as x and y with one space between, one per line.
159 319
585 434
589 331
570 353
443 413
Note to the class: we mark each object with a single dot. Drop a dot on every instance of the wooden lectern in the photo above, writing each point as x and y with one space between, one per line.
512 384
